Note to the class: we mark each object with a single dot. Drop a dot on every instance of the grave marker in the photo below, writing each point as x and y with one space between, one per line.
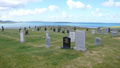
72 36
98 41
47 40
22 36
66 43
80 40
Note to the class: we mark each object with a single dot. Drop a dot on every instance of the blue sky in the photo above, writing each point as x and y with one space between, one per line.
61 10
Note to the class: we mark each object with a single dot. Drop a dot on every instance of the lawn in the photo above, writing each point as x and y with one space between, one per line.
33 54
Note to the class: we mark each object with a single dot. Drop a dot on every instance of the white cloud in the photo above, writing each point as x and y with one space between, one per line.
24 12
97 12
65 15
14 3
52 7
111 3
77 4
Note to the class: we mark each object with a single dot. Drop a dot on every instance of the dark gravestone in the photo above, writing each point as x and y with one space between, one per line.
59 29
2 28
109 30
87 29
19 29
35 27
68 31
54 30
63 31
45 28
29 27
26 32
74 28
66 43
38 28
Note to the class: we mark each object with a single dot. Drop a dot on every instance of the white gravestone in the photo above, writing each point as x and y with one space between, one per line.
93 32
114 33
98 41
80 40
47 40
22 36
72 36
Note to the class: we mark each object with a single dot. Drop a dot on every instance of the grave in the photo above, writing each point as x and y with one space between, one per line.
93 32
66 43
80 40
114 33
72 36
2 28
98 41
22 36
47 40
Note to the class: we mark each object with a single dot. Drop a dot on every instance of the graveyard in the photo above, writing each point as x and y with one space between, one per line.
32 52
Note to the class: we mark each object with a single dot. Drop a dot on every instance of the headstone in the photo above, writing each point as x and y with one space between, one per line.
72 36
22 36
93 32
98 41
114 32
108 30
2 28
45 28
87 29
74 28
68 31
100 30
26 32
54 30
19 29
38 28
47 40
66 43
80 40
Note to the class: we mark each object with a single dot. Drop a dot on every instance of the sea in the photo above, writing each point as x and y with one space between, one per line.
74 24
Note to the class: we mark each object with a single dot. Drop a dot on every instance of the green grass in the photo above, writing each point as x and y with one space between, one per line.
33 54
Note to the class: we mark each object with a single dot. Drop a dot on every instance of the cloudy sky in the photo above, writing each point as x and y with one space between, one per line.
60 10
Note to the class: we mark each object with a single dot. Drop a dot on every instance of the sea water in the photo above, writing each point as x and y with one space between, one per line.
78 24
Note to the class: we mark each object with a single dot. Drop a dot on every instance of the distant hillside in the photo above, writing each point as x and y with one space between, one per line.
7 21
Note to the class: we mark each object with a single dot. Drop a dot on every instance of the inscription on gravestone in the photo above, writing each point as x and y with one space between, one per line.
80 40
66 43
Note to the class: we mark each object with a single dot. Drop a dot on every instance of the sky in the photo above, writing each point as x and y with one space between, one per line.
61 10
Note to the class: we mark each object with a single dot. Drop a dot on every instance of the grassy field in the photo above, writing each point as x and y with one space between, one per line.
33 54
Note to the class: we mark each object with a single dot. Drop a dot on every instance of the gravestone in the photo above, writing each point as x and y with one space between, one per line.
68 31
80 40
74 28
2 28
72 36
98 41
38 28
26 32
93 32
54 30
19 29
114 32
47 40
100 31
63 31
66 43
22 36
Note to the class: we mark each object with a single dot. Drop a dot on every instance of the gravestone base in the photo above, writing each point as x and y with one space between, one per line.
80 49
